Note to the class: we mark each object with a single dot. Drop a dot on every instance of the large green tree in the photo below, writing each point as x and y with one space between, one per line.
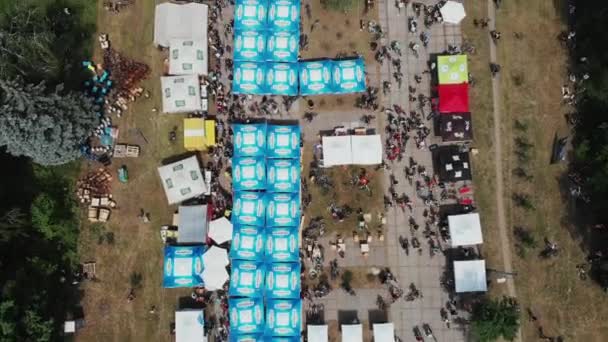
493 319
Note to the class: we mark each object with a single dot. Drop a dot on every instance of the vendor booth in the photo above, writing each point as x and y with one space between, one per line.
283 175
248 243
349 76
188 57
317 333
246 315
249 46
283 47
282 244
194 134
282 79
189 325
283 280
284 15
352 333
182 180
215 277
249 78
452 164
220 230
247 338
453 98
215 256
247 279
283 141
337 150
283 209
470 276
248 173
249 208
283 317
384 332
250 14
456 127
180 21
316 77
183 266
452 69
366 149
465 230
181 94
249 139
192 224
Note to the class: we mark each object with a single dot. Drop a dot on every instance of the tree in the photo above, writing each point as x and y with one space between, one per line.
339 5
12 225
47 127
493 319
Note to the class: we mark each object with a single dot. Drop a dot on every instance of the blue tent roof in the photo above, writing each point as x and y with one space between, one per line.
248 173
283 141
248 208
246 315
249 46
283 317
247 338
247 279
283 175
349 76
281 339
283 209
282 46
183 266
282 244
282 79
284 15
283 280
248 243
249 78
249 139
315 77
250 14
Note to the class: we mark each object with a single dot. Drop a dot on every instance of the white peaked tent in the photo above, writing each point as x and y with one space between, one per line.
215 256
470 276
366 149
181 94
189 325
465 230
220 230
352 333
384 332
337 150
214 277
187 57
182 180
173 21
317 333
452 12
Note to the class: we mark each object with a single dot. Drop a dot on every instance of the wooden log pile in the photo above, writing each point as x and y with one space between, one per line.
126 74
94 185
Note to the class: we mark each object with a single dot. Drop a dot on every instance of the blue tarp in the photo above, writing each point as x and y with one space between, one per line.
282 47
283 280
183 266
349 76
282 244
315 77
282 79
248 243
250 14
247 338
249 78
249 46
246 315
248 208
248 173
283 141
283 209
284 15
283 317
281 339
249 139
247 279
283 175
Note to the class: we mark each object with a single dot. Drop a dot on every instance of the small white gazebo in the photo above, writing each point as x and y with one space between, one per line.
317 333
453 12
465 230
215 256
187 57
384 332
214 277
189 325
352 333
220 230
470 276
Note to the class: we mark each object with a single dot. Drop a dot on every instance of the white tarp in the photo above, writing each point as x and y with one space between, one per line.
337 150
470 276
220 230
189 325
384 332
317 333
182 180
215 256
173 21
214 277
188 57
452 12
366 149
181 94
352 333
465 230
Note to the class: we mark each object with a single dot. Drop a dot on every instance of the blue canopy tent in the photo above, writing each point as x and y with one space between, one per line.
248 208
283 280
248 243
246 315
248 173
283 141
283 175
250 14
349 76
282 79
247 279
315 77
249 78
283 209
249 46
249 139
183 266
282 46
284 15
247 338
282 244
283 317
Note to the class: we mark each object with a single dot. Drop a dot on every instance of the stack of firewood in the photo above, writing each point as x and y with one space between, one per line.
94 185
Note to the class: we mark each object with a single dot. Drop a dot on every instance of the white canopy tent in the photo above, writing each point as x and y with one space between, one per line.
182 180
189 326
215 256
470 276
220 230
214 277
181 94
174 21
452 12
352 333
337 150
384 332
465 230
317 333
366 149
188 57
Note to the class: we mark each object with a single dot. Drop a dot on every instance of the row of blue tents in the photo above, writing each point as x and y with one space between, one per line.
305 78
251 318
261 46
272 175
273 15
257 279
266 209
258 244
266 140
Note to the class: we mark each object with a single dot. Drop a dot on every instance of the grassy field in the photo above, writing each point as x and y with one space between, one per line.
533 69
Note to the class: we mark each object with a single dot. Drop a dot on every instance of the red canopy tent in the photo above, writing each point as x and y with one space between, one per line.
453 98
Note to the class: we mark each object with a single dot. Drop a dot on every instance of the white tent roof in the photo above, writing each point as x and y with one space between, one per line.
214 277
384 332
366 149
215 256
188 57
470 276
337 150
189 326
220 230
352 333
173 21
182 180
465 230
180 94
317 333
452 12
